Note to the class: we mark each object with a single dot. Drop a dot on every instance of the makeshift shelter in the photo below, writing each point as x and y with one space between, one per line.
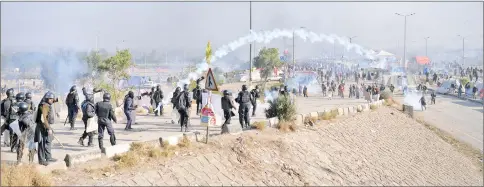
445 87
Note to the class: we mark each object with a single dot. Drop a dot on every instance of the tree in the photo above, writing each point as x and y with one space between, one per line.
115 67
267 60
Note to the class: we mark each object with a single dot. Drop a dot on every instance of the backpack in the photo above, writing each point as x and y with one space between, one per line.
245 97
181 101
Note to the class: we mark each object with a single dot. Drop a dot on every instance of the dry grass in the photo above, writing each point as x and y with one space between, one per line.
373 107
126 160
327 116
475 154
286 126
24 175
259 125
359 109
334 113
184 142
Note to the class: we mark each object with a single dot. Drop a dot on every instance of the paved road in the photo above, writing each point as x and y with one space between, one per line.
463 119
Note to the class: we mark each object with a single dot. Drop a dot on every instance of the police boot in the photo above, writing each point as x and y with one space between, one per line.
72 126
101 145
90 143
81 141
112 139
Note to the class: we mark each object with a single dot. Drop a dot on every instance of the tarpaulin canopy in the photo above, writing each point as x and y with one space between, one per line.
423 60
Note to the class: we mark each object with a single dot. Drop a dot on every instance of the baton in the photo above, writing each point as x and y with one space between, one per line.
57 140
66 120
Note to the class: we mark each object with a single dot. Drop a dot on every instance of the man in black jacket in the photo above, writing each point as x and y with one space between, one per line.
174 101
183 107
105 113
43 131
88 112
7 105
197 96
243 99
129 107
255 95
72 102
227 106
158 99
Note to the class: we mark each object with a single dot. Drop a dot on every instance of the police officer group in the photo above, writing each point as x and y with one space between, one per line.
38 128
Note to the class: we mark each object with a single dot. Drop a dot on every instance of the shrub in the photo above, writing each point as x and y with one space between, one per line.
386 94
282 108
327 116
184 142
24 175
373 107
334 113
259 125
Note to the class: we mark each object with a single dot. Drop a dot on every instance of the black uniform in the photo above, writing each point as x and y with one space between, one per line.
128 110
197 96
88 112
255 95
158 98
183 106
227 106
105 113
244 101
72 102
27 128
43 131
8 107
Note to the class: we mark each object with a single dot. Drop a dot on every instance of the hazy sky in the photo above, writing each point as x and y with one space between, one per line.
188 26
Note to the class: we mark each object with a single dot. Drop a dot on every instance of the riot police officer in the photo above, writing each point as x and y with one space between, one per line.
255 95
28 100
87 108
244 99
20 97
129 107
6 111
197 95
183 106
105 113
158 98
72 102
27 128
227 106
43 131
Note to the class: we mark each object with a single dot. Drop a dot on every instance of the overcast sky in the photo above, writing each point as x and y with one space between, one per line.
188 26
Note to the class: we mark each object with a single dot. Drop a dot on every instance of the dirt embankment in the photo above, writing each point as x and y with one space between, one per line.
381 147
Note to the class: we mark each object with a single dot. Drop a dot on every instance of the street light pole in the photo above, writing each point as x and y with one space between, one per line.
405 34
351 38
426 38
463 49
250 47
293 51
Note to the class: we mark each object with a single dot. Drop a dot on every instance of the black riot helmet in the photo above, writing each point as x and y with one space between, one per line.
106 97
28 96
257 87
185 87
158 87
22 107
49 95
20 97
152 88
178 89
244 87
90 97
73 88
226 92
131 94
10 92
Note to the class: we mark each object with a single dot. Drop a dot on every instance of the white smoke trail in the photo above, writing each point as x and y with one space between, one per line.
268 36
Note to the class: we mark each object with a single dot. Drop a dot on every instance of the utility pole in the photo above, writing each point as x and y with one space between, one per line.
250 47
463 49
351 38
426 38
404 34
293 51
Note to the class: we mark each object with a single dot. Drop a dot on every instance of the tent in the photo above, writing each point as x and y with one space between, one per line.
445 86
384 54
422 60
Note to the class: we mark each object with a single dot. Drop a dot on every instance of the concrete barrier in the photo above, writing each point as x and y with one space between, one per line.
345 111
273 122
340 111
299 119
116 149
351 110
407 109
74 159
366 107
313 115
359 108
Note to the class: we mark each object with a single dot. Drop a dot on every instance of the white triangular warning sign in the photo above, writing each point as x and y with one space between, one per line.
210 83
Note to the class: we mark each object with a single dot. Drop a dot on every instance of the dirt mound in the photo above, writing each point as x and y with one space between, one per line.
382 147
